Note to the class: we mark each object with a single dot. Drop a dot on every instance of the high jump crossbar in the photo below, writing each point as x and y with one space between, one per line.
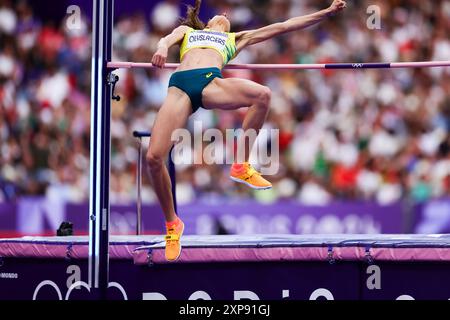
380 65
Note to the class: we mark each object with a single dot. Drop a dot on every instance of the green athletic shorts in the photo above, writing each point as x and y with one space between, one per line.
192 82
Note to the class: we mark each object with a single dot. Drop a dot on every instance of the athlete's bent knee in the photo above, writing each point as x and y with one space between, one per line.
264 96
154 160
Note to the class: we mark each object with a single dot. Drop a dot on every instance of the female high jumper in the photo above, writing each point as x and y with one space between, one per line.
198 83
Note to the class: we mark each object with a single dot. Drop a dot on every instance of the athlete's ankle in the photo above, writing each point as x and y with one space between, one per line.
240 167
170 224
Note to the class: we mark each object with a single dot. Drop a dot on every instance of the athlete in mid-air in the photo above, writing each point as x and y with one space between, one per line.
198 83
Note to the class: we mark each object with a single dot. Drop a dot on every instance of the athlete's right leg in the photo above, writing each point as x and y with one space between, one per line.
173 115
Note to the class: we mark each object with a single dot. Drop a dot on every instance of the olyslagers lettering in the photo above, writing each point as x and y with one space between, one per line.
201 39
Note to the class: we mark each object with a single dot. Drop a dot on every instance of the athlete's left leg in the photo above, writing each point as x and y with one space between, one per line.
234 93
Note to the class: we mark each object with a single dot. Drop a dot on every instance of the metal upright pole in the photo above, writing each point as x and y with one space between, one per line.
100 153
139 187
172 173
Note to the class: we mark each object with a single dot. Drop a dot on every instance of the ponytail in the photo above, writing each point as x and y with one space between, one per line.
192 19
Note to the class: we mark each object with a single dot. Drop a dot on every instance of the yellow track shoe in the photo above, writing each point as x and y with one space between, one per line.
246 174
173 245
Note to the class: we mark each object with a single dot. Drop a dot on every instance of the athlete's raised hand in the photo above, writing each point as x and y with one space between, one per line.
338 5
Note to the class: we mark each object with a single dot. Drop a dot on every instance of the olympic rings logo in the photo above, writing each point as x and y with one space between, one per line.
73 286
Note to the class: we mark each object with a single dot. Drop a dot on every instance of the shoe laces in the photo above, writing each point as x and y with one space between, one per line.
171 231
252 170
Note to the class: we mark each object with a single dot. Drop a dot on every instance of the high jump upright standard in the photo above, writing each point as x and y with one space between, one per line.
100 144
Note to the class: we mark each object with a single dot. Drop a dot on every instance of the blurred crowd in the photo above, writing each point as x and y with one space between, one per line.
379 135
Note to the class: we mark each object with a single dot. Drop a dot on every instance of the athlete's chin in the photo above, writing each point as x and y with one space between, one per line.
220 27
226 28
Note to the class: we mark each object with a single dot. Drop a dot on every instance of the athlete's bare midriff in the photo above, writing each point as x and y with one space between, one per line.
201 58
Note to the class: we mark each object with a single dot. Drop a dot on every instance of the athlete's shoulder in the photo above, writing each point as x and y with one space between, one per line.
183 29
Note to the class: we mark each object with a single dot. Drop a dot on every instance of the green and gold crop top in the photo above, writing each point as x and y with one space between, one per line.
222 42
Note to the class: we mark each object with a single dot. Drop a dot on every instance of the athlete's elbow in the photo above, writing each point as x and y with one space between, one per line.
283 27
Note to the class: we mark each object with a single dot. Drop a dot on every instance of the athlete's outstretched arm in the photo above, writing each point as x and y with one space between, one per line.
250 37
160 56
